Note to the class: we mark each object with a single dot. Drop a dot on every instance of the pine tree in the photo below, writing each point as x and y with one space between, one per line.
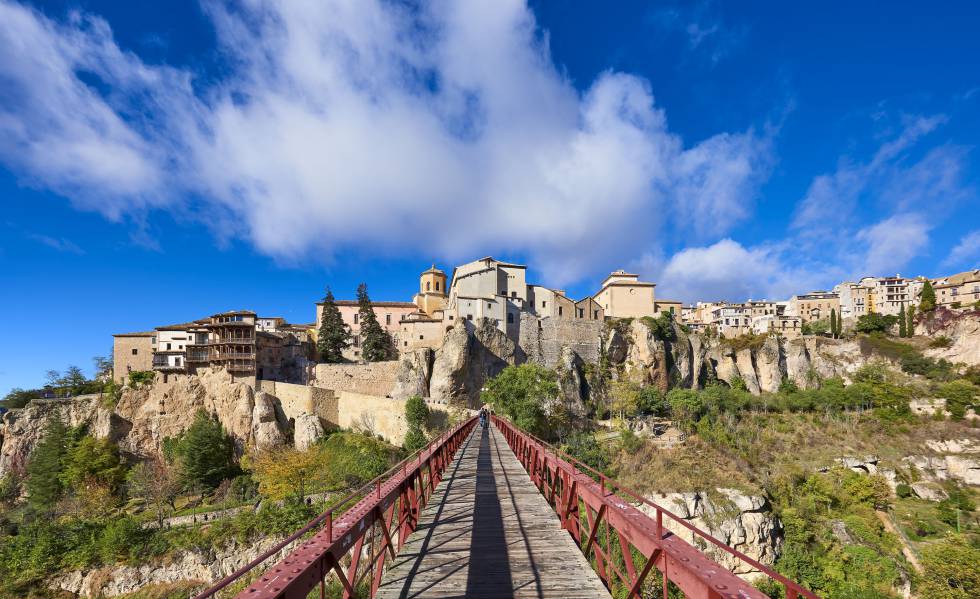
902 322
910 327
206 453
334 334
376 344
927 298
833 323
44 485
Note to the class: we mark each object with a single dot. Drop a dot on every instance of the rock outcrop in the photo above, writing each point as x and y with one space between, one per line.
307 431
470 355
743 522
187 566
961 328
414 374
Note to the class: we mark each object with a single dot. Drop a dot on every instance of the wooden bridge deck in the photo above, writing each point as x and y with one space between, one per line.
488 532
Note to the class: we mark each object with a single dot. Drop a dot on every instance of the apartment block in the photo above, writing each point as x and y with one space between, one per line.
959 290
812 306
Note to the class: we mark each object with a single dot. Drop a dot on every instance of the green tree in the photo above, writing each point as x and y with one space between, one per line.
17 398
960 395
910 325
334 334
521 393
416 415
950 571
927 298
205 453
44 483
156 482
902 322
74 379
874 322
376 343
92 460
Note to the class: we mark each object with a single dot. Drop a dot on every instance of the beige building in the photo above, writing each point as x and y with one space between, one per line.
665 305
433 295
856 300
389 314
491 289
787 326
812 306
132 352
890 294
959 290
731 320
589 309
623 295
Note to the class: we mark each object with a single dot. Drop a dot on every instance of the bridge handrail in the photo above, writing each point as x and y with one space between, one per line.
612 485
362 491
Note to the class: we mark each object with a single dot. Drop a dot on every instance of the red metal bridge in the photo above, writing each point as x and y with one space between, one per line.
494 512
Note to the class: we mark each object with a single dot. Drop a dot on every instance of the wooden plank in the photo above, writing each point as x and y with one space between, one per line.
488 532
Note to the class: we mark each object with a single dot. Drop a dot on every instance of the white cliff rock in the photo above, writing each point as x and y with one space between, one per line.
743 522
307 430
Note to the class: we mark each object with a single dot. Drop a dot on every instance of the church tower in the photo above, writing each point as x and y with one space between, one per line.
431 297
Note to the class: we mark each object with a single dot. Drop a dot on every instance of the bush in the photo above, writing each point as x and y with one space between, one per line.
950 571
903 490
960 395
941 341
653 401
875 323
140 377
416 415
662 326
585 448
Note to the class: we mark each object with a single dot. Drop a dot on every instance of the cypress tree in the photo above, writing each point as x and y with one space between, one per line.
334 334
376 343
44 484
927 298
910 327
902 322
833 323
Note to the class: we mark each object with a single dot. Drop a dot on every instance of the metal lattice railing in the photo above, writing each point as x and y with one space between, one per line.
623 543
355 543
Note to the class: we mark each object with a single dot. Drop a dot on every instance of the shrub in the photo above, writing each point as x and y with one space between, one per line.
960 395
662 326
585 448
950 571
140 377
875 323
941 341
903 490
416 415
653 401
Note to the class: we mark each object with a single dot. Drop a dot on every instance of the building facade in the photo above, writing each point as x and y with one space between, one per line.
815 305
132 352
959 290
623 295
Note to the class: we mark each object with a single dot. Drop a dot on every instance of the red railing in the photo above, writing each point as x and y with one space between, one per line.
635 542
338 547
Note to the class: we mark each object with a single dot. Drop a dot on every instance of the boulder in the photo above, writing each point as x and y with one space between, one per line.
744 522
414 373
267 431
928 491
307 430
572 382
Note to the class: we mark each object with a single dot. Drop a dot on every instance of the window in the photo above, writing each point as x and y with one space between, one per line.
388 318
513 294
357 341
406 344
437 285
129 368
168 346
469 317
581 313
177 361
135 351
510 318
450 317
428 286
355 318
421 337
595 315
559 310
544 304
153 340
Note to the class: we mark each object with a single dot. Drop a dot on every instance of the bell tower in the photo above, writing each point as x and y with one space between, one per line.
432 291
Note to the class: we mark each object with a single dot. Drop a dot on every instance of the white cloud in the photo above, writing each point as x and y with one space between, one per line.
967 251
60 244
727 270
892 243
366 125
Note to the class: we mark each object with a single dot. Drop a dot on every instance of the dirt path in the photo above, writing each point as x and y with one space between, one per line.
886 520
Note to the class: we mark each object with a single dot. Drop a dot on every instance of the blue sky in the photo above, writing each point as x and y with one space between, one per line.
164 161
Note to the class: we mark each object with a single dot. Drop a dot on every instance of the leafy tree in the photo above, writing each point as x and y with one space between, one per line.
875 323
103 367
521 393
287 473
626 397
960 395
91 461
44 483
950 571
816 327
416 415
353 459
585 448
18 398
376 343
205 453
334 334
156 482
74 379
902 323
927 297
653 401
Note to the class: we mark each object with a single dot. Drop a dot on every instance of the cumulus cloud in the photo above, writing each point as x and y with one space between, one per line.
893 242
966 253
727 270
367 125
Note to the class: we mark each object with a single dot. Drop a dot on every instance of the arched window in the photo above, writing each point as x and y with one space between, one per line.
437 285
428 286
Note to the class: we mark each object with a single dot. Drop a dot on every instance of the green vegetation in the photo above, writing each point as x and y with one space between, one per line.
521 394
417 416
204 452
662 326
334 335
875 323
927 298
821 326
376 345
902 323
140 377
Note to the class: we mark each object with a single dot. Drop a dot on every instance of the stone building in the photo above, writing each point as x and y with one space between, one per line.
812 306
132 352
959 290
623 295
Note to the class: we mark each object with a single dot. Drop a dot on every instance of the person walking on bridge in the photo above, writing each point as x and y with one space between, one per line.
483 417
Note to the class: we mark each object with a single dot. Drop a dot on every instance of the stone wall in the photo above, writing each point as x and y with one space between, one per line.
375 378
542 339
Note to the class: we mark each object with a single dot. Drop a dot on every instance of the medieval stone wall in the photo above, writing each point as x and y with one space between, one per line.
374 378
542 339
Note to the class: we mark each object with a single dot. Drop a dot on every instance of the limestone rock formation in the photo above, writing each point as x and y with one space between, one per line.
307 430
963 331
470 355
267 424
186 566
744 522
414 374
572 382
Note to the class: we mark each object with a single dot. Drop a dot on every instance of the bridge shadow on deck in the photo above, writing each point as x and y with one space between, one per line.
489 569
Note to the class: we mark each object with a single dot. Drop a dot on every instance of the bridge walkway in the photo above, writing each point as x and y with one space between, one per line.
488 532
